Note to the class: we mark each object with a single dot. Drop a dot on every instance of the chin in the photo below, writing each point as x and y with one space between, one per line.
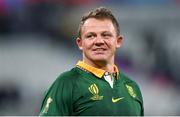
102 60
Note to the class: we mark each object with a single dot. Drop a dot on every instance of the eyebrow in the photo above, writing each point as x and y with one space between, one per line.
107 32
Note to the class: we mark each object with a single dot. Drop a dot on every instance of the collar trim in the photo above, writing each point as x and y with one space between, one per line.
97 72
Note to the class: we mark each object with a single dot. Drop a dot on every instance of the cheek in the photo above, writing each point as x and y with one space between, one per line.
111 44
87 45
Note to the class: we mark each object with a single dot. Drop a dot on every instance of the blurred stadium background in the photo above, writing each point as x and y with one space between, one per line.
37 43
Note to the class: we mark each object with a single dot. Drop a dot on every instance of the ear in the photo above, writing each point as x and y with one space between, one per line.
79 43
120 40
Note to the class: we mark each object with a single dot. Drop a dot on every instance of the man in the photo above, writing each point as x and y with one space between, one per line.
95 86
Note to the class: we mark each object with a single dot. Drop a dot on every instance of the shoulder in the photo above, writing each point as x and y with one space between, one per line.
68 76
126 79
65 80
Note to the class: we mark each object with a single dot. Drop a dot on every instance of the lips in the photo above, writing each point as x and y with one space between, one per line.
99 49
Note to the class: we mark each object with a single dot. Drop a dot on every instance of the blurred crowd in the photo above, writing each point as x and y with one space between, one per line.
37 37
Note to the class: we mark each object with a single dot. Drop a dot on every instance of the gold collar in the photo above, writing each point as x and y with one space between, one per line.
97 72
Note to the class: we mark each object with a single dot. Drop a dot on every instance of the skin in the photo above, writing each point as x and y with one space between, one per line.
98 42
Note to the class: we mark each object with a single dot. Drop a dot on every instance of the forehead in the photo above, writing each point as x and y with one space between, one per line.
93 25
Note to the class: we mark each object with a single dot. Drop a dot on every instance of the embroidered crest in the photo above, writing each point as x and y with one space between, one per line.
95 91
131 91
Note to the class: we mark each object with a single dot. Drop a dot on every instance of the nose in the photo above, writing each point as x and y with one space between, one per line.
99 41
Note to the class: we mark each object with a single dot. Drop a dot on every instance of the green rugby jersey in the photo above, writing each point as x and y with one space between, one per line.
84 91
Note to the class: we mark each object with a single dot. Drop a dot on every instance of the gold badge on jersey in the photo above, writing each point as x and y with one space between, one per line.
131 91
95 91
49 100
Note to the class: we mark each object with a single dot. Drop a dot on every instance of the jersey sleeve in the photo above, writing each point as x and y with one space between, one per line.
139 97
58 99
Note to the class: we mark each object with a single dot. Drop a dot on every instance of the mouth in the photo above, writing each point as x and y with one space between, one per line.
99 49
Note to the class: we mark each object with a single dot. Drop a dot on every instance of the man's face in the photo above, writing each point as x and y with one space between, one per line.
99 40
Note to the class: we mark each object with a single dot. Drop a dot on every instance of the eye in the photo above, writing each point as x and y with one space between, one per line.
106 35
90 36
